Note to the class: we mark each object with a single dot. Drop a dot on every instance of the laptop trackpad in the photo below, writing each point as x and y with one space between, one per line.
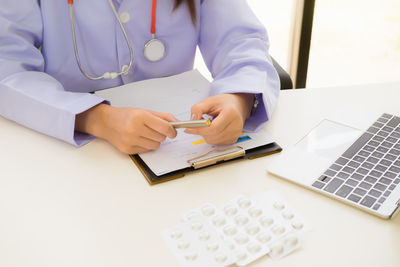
328 139
314 153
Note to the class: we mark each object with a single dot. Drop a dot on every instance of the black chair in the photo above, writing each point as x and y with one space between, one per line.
286 81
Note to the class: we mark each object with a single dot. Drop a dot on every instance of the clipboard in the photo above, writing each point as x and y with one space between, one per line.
177 94
206 160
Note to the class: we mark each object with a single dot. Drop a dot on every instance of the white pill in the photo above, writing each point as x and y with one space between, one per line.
291 241
241 220
279 205
213 247
183 245
244 203
191 256
176 234
231 246
288 215
297 225
197 226
208 210
276 251
230 210
264 237
220 257
193 215
253 248
241 239
252 229
278 230
219 221
204 236
241 256
266 221
255 212
230 230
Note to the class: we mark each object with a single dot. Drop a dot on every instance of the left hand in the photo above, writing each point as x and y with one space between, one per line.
230 112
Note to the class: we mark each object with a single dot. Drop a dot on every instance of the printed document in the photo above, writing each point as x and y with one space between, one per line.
176 95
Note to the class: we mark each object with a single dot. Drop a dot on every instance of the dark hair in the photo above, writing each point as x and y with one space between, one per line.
191 6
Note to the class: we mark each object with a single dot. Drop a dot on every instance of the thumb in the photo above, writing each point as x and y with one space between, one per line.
199 109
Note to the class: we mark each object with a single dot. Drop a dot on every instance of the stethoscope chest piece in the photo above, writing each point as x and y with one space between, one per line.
154 50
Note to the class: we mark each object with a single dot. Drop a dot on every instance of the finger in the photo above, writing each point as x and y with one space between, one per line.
133 150
207 106
148 144
160 125
227 137
221 137
152 134
218 125
164 116
221 140
138 150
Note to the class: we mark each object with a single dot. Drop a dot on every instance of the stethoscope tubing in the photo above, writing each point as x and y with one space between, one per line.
107 75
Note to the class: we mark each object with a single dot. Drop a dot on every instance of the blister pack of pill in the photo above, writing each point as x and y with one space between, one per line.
197 243
239 232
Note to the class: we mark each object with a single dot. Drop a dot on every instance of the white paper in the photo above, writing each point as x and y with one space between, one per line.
176 95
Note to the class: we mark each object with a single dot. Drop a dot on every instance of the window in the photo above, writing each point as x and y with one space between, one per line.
354 42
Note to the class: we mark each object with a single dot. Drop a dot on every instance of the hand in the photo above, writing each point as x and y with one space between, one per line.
130 130
230 112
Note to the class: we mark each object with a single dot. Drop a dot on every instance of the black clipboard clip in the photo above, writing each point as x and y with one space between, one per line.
215 156
211 158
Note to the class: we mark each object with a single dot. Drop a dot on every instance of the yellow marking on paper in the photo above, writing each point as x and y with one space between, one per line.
198 142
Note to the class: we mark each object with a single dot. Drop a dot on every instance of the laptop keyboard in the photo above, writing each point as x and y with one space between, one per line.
368 171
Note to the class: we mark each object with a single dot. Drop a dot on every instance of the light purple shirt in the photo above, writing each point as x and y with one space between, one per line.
45 90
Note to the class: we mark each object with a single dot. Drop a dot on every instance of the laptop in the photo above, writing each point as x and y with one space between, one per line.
353 156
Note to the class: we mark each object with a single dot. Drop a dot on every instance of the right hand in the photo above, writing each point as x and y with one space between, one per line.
130 130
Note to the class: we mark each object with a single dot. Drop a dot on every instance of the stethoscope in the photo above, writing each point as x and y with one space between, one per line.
154 49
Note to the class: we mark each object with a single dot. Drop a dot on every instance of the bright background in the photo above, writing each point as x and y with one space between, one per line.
353 41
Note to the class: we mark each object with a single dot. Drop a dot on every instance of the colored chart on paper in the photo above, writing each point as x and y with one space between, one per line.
242 138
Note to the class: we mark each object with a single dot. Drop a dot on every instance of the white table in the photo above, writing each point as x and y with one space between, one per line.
63 206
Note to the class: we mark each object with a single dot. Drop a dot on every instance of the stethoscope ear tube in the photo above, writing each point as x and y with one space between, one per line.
107 75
